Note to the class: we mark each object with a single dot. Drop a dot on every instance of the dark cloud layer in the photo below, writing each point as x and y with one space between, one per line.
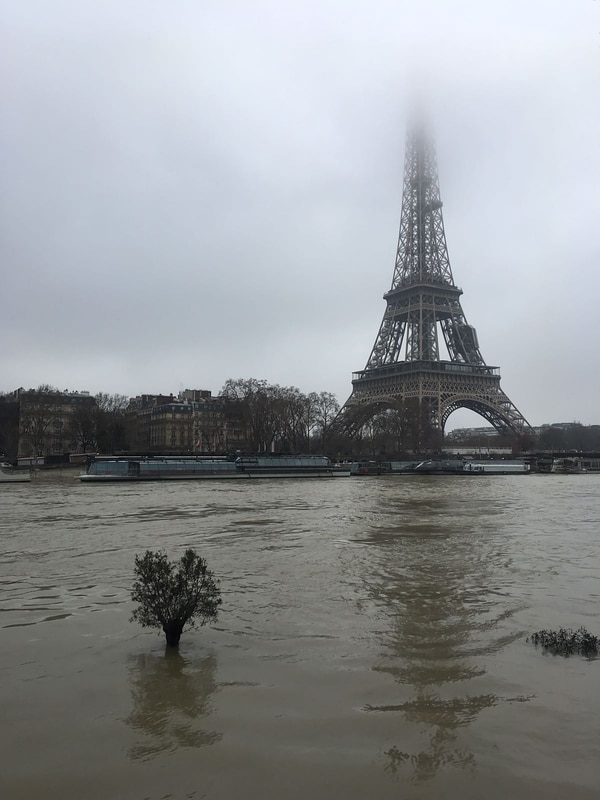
198 191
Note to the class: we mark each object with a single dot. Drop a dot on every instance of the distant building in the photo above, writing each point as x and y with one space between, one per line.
140 414
193 422
564 426
477 452
462 434
51 423
195 395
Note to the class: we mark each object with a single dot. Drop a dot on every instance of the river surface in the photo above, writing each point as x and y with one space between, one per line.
371 642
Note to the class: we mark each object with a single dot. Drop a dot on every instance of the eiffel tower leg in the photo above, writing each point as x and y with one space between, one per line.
420 418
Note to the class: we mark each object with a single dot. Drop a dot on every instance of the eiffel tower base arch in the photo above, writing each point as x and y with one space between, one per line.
425 395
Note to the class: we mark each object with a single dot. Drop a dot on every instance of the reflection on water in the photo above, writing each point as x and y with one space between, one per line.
433 580
169 695
426 763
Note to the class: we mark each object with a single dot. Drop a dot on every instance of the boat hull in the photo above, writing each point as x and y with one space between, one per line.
10 475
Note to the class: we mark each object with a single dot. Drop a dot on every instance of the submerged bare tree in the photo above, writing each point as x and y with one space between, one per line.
172 594
567 642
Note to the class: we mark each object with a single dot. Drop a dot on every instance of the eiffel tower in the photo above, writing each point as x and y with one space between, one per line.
405 369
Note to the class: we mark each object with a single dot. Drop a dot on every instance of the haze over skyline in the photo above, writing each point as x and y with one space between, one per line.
202 191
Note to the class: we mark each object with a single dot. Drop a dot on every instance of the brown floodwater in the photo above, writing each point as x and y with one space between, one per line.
371 641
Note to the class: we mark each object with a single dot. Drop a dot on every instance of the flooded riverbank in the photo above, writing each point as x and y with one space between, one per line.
371 642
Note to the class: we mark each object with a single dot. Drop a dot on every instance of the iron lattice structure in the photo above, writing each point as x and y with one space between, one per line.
423 311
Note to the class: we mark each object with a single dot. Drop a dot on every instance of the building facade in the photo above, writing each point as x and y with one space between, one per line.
192 422
51 423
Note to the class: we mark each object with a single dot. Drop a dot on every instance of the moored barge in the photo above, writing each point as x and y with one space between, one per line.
8 474
105 469
431 467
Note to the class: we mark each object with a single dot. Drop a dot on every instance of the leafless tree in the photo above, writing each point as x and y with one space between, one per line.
111 422
37 416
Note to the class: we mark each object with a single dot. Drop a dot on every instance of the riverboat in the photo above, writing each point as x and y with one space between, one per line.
567 466
104 469
497 468
8 474
449 467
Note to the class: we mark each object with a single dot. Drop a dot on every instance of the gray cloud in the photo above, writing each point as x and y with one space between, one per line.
198 191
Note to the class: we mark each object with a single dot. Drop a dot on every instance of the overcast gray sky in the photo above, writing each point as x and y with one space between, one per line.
197 190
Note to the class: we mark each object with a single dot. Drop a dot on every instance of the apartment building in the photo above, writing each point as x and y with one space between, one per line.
192 422
52 422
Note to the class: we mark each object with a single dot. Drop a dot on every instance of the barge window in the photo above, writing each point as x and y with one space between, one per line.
109 468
